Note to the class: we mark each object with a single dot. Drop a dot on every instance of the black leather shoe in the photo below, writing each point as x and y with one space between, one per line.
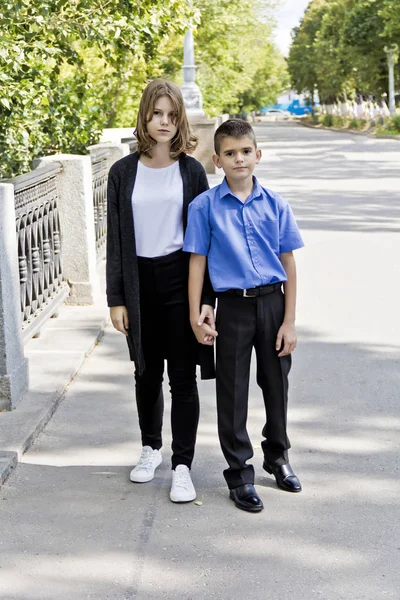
246 498
285 478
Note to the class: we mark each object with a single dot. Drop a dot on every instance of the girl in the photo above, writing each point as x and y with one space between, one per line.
147 279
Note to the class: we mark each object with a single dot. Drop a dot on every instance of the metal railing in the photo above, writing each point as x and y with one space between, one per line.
99 185
42 284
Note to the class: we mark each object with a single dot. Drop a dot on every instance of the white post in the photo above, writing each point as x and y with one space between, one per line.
75 207
385 109
13 364
392 57
190 90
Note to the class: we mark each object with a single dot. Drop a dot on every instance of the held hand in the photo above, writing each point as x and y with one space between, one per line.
287 335
119 318
204 326
204 334
207 316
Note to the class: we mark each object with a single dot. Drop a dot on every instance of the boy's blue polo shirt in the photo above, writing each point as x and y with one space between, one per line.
243 240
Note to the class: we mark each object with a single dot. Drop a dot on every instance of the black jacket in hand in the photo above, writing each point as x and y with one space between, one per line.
122 267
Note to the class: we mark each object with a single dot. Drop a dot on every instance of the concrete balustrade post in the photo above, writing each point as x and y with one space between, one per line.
204 128
13 364
115 151
75 207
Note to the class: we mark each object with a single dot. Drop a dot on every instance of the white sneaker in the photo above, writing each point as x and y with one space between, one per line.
182 489
148 463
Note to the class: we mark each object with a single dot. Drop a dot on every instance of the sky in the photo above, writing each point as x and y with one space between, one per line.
288 16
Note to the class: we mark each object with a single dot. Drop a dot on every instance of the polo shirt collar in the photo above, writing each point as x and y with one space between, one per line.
225 190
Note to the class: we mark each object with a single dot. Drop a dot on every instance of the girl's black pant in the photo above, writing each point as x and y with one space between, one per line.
166 334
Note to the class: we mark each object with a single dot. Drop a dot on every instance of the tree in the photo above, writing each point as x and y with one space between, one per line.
71 67
65 66
390 14
303 58
335 66
238 66
363 45
339 47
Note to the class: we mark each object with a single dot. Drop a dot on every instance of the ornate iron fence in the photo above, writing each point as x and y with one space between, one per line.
99 184
42 284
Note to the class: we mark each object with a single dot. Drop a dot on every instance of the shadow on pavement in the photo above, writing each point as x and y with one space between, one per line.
73 523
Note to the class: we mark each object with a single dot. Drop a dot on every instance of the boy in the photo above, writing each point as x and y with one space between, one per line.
247 233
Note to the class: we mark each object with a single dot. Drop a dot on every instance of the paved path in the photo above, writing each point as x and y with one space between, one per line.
72 525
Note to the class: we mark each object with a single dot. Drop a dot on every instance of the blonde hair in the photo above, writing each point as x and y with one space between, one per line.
184 140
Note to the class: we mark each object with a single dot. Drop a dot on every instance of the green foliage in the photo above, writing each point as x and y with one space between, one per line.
69 68
339 122
356 124
390 14
238 66
392 125
331 121
327 121
303 59
239 69
363 44
395 121
333 69
339 47
68 65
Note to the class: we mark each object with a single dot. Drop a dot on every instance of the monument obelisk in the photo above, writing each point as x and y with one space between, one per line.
190 90
200 123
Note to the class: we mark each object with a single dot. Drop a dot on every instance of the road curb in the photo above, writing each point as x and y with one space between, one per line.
353 132
8 462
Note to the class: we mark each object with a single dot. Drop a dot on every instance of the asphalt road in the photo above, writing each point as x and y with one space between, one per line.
72 526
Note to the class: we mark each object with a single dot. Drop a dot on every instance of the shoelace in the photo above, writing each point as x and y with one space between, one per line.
182 479
145 461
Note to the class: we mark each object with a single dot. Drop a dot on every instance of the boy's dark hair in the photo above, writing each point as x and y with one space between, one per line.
235 128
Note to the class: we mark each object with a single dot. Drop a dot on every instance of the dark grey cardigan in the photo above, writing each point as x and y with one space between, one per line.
122 268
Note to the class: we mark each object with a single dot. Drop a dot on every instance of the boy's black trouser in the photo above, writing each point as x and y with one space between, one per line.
244 323
166 334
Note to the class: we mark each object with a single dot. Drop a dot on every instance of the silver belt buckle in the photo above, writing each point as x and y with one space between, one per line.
245 295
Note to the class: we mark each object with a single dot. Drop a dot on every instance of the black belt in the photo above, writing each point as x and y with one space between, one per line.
261 290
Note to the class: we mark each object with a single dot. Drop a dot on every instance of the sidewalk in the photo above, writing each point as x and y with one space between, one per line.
54 359
74 526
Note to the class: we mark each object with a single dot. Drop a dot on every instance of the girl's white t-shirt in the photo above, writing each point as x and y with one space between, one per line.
157 204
